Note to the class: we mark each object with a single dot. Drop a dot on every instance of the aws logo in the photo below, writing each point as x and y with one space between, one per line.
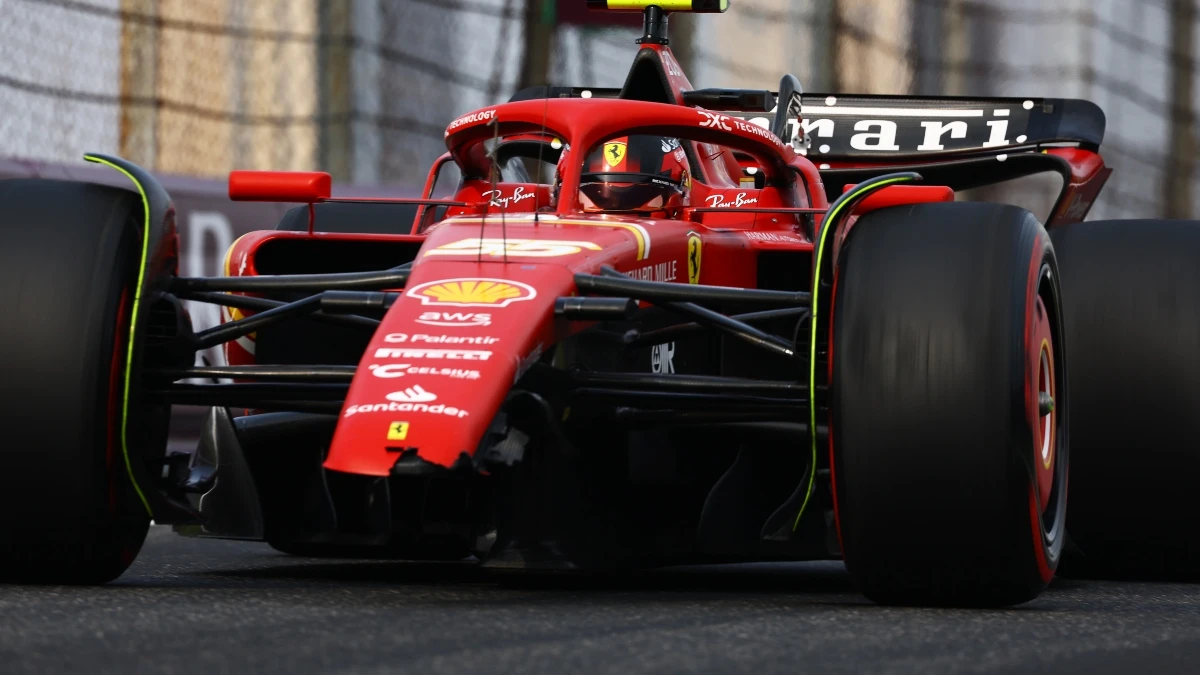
472 292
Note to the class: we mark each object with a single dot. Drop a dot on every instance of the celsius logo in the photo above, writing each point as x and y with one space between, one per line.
414 394
451 319
394 370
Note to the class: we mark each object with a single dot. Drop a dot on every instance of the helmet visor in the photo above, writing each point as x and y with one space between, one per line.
626 192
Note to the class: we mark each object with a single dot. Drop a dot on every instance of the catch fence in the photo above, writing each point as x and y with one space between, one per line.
364 88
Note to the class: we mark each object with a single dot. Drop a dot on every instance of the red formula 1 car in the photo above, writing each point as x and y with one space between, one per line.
653 325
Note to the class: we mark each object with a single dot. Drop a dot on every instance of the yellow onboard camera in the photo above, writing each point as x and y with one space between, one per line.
701 6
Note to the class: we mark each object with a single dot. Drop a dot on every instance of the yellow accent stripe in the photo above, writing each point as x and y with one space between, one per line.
830 222
133 317
639 233
234 313
229 253
665 5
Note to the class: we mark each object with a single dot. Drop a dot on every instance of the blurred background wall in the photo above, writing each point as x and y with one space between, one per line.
364 88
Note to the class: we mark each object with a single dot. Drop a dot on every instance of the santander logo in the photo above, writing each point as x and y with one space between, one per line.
718 201
413 394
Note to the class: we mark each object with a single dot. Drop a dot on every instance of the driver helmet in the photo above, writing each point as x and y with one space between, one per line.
633 173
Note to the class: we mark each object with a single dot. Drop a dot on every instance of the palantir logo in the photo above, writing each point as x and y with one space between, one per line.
414 394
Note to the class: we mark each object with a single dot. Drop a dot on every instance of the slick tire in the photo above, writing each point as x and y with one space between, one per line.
950 484
68 511
1131 298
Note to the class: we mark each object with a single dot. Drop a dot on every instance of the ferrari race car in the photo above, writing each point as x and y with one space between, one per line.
652 326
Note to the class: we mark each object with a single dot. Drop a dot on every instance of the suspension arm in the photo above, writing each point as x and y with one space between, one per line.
658 291
273 373
396 277
255 304
671 333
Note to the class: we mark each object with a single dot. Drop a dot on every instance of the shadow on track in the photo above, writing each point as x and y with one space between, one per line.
772 578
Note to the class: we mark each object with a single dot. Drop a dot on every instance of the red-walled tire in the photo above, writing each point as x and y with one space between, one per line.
946 325
1131 292
68 257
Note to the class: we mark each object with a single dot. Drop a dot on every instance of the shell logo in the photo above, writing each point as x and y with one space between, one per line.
472 292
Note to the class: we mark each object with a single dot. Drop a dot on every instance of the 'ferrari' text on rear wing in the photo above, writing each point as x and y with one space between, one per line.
849 127
853 126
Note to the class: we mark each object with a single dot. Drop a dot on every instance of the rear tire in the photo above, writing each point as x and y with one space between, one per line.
946 325
1132 308
68 511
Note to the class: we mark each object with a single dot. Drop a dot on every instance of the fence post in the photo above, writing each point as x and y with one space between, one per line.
335 141
683 31
139 85
539 39
956 51
1181 140
825 27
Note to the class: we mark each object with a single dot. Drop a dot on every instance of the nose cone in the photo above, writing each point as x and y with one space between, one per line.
442 362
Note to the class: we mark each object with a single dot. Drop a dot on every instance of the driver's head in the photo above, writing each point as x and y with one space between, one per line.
635 173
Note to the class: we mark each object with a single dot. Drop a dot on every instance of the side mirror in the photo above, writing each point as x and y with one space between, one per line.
308 187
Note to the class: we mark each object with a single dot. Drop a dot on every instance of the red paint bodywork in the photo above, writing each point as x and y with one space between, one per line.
279 186
1088 176
445 357
1085 176
899 195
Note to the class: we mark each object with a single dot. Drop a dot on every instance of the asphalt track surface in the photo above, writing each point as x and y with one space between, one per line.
189 606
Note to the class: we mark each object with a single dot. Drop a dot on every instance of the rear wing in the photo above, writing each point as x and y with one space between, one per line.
851 128
887 128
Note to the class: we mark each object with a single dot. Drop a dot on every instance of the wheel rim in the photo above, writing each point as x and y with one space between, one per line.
1045 428
1048 491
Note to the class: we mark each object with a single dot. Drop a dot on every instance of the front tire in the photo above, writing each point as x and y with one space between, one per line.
68 510
950 483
